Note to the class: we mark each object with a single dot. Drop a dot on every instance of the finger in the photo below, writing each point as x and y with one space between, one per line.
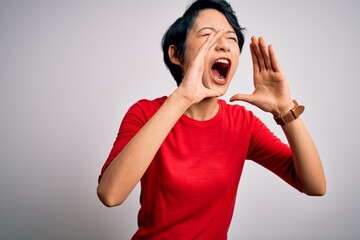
204 48
249 98
258 54
274 60
198 61
209 42
256 67
265 52
218 35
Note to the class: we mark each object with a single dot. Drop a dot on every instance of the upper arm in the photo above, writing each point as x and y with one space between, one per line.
270 152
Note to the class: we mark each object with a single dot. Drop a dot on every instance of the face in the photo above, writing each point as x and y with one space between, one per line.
222 59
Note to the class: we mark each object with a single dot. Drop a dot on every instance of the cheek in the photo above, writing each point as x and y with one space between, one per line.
235 63
188 57
192 47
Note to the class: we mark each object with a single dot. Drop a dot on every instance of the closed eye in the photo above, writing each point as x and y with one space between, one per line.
232 36
233 39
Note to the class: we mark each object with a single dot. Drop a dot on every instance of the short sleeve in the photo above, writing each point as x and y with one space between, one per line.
132 122
270 152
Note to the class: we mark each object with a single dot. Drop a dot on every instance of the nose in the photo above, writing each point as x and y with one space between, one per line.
223 45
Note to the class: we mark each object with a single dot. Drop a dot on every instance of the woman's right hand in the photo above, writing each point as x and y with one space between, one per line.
191 87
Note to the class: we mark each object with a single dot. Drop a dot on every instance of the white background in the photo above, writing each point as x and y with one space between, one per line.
69 70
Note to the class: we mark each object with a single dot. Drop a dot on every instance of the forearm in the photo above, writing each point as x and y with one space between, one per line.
129 166
306 159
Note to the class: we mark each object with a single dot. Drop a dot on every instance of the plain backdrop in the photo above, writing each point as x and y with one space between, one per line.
69 70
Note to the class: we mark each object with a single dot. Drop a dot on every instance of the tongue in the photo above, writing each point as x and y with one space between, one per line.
216 74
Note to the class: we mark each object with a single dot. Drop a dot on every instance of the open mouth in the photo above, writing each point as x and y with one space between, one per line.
220 69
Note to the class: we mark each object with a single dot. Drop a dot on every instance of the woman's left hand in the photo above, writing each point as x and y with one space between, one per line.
271 92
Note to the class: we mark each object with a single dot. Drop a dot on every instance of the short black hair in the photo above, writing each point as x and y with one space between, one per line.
177 33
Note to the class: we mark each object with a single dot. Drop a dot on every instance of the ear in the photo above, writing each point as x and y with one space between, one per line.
174 58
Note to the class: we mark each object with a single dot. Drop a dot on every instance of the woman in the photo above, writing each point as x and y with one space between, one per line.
188 149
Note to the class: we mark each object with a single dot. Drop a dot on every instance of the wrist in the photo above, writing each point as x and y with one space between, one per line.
290 115
283 109
178 98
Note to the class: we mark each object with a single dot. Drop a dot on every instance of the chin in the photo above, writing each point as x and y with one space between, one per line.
221 89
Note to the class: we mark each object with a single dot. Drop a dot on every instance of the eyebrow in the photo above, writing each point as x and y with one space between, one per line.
213 29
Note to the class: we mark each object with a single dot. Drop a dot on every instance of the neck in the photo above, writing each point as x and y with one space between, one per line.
204 110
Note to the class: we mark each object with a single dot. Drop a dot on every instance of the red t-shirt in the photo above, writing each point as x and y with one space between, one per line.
189 189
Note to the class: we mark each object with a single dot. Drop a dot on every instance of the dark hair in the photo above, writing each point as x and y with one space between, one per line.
177 33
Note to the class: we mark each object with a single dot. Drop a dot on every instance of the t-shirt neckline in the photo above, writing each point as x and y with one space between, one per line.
204 123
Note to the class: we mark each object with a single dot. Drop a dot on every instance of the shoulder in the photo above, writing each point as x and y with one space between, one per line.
150 104
147 107
236 111
238 116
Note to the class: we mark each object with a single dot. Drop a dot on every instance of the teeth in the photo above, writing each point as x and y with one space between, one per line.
225 61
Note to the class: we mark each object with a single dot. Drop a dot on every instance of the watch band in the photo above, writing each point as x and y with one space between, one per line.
293 114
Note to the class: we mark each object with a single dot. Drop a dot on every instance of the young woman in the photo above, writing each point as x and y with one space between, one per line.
188 149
